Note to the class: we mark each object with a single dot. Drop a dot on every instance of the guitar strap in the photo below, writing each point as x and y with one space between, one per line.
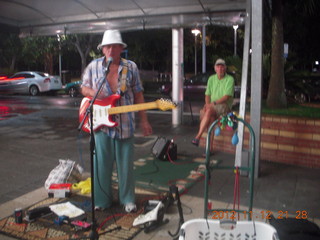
123 83
123 86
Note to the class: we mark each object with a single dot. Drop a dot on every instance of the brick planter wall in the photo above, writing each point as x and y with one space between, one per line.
287 140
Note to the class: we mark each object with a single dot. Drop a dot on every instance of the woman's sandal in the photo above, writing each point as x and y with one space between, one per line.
195 141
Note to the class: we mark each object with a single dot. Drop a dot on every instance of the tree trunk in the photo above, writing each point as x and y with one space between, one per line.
276 93
13 63
83 54
48 63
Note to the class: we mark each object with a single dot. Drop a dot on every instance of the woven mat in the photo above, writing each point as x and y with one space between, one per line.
113 223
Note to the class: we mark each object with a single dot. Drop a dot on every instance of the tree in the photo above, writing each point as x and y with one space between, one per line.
150 49
83 43
301 32
276 92
9 52
39 53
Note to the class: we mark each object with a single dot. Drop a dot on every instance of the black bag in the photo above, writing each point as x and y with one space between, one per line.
163 147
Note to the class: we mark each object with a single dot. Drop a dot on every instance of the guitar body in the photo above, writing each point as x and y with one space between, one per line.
100 112
104 108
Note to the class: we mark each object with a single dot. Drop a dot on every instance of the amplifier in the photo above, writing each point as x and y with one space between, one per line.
162 147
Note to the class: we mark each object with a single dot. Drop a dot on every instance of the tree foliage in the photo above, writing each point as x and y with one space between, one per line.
83 44
39 53
9 52
150 49
289 21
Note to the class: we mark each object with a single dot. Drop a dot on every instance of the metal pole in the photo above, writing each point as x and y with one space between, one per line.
256 75
204 49
235 27
195 54
59 40
60 64
177 84
195 32
244 83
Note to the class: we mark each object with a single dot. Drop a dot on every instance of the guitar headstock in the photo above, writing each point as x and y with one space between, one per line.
165 104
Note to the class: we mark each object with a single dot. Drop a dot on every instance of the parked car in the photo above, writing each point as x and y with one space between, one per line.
73 88
30 82
3 76
194 87
303 89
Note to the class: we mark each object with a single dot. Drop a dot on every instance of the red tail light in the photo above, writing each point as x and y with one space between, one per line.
13 79
4 110
46 80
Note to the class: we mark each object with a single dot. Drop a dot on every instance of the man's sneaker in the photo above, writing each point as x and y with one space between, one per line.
100 209
130 207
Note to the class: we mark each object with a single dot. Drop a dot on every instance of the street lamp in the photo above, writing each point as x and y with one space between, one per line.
235 27
315 66
59 41
196 32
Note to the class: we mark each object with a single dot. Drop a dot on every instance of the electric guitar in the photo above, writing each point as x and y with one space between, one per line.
104 108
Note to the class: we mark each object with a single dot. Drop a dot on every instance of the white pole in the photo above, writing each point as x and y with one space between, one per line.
177 78
204 49
235 27
195 32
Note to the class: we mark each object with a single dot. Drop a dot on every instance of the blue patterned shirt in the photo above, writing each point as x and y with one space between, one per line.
95 73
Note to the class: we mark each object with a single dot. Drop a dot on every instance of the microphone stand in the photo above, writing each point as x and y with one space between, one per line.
89 111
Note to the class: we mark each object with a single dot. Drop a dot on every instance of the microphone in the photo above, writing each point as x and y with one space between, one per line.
109 61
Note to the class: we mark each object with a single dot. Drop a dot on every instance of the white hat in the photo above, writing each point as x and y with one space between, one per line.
111 37
220 62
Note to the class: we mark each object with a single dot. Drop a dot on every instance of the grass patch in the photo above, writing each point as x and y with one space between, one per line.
294 110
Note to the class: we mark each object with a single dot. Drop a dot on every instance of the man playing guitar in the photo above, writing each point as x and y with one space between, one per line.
115 143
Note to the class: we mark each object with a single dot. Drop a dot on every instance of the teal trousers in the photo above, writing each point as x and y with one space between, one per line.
107 152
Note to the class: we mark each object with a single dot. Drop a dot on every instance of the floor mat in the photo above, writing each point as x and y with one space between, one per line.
113 223
152 173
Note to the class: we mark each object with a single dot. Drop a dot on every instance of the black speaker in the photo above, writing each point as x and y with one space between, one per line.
172 152
160 148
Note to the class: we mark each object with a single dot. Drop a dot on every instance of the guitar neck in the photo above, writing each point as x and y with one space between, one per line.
132 108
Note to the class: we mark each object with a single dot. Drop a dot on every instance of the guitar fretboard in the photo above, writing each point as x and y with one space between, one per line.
132 108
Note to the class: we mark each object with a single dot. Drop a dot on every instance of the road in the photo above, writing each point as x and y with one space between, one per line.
35 132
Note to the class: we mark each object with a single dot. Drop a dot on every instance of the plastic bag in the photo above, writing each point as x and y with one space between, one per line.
66 171
83 186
